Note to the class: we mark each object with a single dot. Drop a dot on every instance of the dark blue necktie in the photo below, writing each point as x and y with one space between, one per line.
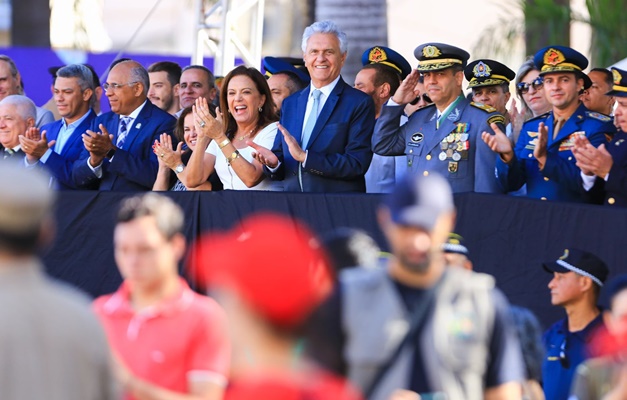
123 132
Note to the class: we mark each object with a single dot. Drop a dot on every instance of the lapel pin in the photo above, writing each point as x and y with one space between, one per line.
138 126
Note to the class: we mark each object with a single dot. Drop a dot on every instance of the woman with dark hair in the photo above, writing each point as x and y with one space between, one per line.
250 117
173 160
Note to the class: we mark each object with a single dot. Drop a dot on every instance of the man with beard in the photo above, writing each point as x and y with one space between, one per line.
164 85
416 324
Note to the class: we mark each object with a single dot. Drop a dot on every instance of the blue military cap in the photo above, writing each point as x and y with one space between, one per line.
419 201
386 56
559 59
580 262
274 65
438 56
619 89
487 72
455 244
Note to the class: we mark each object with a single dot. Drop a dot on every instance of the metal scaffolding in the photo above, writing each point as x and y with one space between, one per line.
219 26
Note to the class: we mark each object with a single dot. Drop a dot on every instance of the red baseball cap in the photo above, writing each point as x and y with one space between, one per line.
274 263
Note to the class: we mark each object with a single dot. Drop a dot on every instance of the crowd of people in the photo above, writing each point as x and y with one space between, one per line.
327 319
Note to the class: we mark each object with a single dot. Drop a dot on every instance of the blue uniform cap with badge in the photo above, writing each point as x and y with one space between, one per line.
619 89
580 262
555 59
386 56
487 72
439 56
455 244
274 65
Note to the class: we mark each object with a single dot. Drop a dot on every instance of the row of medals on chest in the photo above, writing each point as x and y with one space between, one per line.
454 147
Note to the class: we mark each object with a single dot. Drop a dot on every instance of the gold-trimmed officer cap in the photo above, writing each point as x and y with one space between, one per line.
439 56
386 56
560 59
619 88
487 72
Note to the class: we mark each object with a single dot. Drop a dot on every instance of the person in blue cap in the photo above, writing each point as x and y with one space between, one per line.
284 78
578 277
445 137
381 75
414 323
489 81
604 168
543 157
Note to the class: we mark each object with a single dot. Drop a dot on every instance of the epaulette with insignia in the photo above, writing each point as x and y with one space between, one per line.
483 107
541 116
496 119
598 115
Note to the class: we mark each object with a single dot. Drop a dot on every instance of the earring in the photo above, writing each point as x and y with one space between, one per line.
260 109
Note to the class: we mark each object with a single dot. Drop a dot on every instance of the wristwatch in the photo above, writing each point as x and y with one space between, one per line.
110 153
179 168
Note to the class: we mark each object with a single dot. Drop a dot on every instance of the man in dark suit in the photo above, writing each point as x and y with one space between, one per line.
326 128
118 148
59 145
17 114
604 168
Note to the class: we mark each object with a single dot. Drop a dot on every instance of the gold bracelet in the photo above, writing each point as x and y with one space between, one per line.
224 143
233 156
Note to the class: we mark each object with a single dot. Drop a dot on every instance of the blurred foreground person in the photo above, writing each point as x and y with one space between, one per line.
604 377
168 342
417 324
268 299
51 345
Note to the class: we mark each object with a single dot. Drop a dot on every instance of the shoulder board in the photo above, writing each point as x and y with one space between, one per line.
483 107
496 119
541 116
424 109
598 115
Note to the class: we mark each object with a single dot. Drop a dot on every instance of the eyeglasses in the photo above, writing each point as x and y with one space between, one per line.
116 86
424 97
523 87
563 357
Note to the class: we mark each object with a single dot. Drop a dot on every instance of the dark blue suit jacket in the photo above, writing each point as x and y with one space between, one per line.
60 165
560 179
339 152
614 191
133 168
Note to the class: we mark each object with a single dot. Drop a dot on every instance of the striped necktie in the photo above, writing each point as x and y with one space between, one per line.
123 132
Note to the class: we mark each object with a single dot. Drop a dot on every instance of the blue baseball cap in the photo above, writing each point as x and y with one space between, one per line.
419 201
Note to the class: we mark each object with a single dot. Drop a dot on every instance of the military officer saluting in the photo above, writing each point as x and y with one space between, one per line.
543 157
442 137
605 167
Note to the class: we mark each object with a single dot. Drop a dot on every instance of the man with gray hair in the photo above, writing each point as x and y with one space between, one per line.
326 128
17 115
60 143
118 147
196 81
52 346
11 83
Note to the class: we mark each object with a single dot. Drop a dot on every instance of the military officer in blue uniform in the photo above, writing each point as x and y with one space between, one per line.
444 137
381 75
489 81
604 169
543 157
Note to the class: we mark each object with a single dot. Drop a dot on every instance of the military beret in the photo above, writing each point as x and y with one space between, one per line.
386 56
274 65
438 56
559 59
487 73
620 83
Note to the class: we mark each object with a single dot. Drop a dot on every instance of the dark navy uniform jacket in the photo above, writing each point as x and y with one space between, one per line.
560 179
454 150
557 371
615 189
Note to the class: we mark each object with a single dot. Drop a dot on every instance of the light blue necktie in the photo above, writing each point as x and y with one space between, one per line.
313 116
123 132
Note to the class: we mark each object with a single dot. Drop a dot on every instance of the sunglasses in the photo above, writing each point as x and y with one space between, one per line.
563 357
424 97
523 87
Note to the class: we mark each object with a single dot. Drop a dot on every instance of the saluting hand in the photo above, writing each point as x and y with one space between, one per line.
499 143
407 91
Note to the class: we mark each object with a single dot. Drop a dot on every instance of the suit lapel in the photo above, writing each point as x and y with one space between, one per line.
301 108
78 133
327 110
142 119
